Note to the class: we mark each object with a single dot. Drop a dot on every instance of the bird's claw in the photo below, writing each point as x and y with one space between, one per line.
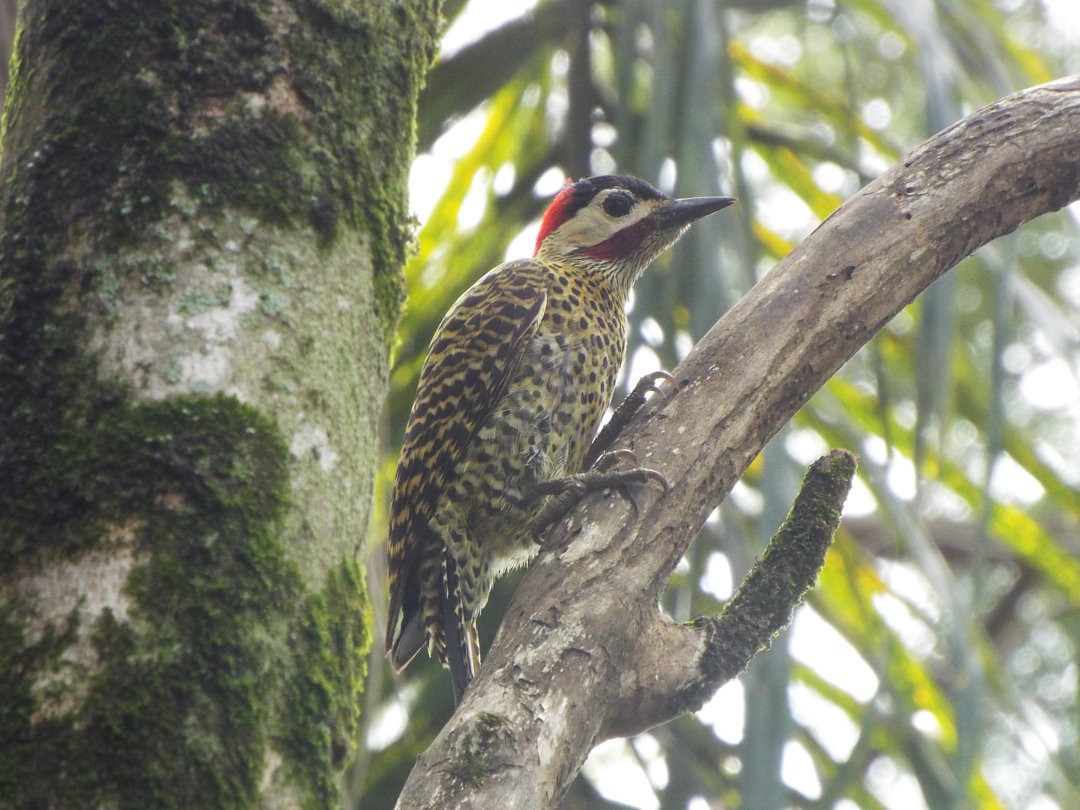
635 475
611 458
642 475
651 382
659 383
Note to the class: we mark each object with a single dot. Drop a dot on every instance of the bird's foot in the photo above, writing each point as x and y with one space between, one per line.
563 493
650 383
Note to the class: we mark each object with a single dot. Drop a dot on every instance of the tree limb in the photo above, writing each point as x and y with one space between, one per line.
583 651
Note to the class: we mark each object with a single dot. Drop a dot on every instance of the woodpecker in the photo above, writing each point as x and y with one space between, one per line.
514 385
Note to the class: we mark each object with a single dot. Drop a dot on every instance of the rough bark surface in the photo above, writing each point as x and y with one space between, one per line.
583 653
203 225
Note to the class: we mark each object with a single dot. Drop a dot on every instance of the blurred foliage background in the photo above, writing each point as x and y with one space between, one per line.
936 663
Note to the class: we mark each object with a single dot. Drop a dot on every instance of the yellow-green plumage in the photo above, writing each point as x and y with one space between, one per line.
515 383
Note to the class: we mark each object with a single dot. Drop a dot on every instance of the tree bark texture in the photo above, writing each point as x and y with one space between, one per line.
203 224
583 653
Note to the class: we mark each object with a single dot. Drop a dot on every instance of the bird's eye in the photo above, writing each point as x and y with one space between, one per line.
618 205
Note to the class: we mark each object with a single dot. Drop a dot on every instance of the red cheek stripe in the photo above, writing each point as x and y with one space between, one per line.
621 243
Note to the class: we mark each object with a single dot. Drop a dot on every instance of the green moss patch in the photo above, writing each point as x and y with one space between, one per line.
330 641
177 710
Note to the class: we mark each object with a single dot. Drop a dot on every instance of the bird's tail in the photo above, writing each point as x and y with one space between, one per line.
458 652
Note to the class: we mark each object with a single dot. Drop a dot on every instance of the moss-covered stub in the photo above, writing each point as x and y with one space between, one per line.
776 585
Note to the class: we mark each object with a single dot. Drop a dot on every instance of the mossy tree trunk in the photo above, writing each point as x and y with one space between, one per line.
203 223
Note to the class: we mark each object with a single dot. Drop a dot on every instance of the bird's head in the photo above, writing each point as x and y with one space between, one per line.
617 224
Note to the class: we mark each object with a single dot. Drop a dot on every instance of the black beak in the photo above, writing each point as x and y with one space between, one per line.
683 212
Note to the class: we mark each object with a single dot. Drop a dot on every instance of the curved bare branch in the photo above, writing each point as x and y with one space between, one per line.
583 652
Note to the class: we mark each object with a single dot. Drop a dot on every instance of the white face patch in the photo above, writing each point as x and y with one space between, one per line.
592 225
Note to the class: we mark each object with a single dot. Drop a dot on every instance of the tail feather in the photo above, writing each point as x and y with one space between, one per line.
408 641
413 622
434 618
458 655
